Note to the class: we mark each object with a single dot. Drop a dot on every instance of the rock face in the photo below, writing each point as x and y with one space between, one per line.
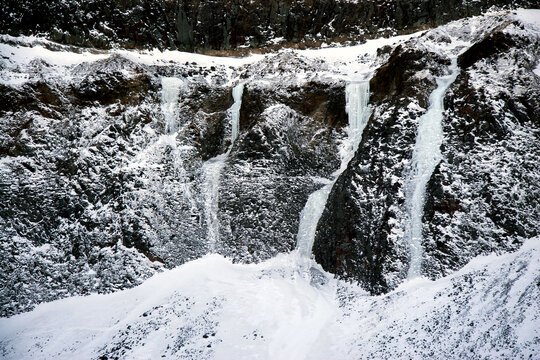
355 234
484 194
103 153
226 24
271 169
100 190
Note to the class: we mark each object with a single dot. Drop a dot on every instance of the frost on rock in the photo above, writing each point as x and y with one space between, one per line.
104 158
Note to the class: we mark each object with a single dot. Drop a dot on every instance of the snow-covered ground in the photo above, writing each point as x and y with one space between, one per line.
289 308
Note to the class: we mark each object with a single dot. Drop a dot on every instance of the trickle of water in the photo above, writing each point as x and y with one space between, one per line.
358 111
212 172
426 156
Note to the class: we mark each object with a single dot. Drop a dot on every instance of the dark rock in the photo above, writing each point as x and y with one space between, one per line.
226 24
285 141
495 42
354 237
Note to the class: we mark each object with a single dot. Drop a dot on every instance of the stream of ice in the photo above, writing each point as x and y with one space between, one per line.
170 90
212 171
358 111
170 93
426 156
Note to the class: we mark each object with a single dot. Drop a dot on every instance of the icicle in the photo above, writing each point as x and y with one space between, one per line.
357 98
237 93
426 156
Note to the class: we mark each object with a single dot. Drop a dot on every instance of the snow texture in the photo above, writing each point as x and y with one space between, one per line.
289 308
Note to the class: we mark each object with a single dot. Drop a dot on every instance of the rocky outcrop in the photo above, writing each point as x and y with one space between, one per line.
227 24
83 211
483 196
355 237
286 142
99 193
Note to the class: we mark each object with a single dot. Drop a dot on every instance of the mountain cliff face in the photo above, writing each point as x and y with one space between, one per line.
468 210
106 156
118 163
411 160
226 24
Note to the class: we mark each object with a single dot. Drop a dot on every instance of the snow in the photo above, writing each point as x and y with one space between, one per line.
537 69
24 55
530 17
289 308
157 57
29 49
354 63
351 53
16 57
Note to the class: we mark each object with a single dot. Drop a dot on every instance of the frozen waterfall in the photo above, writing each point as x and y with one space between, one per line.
237 92
170 90
358 111
426 156
212 171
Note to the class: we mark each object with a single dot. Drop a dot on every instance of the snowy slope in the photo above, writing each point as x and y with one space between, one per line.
288 308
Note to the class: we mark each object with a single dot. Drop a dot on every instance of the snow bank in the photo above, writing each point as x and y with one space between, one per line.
288 308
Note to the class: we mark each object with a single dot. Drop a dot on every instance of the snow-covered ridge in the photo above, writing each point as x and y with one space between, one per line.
24 49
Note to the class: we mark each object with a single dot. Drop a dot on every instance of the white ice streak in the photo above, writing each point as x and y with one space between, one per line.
170 90
237 92
212 169
357 98
212 172
426 156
